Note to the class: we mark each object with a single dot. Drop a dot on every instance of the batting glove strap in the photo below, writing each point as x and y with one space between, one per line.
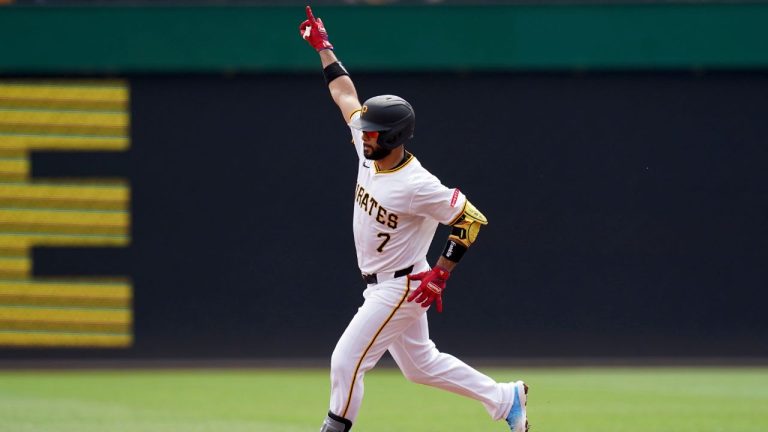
431 288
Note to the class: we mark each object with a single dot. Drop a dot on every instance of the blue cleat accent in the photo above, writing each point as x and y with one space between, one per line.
517 419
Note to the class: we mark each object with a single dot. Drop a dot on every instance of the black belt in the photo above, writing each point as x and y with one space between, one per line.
373 278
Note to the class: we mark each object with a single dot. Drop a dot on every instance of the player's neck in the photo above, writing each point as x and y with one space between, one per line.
391 160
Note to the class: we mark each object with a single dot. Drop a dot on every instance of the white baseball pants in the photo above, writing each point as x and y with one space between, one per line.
387 321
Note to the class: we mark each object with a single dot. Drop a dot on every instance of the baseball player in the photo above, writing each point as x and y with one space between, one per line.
397 207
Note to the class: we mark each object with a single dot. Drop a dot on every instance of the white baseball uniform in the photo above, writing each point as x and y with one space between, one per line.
395 217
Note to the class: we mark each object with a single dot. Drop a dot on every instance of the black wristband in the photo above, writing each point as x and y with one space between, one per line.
454 251
333 71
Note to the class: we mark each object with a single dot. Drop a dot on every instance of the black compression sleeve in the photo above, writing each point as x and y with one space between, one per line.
333 71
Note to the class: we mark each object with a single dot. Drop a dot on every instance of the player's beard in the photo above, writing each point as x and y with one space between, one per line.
378 153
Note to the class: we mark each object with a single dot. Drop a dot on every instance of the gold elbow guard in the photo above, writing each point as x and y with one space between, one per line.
467 225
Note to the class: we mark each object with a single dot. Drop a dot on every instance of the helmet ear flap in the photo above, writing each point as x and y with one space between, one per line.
391 139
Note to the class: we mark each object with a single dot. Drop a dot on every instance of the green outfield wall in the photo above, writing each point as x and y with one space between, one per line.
255 39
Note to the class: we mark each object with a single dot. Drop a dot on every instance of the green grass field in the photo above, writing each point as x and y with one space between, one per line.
561 399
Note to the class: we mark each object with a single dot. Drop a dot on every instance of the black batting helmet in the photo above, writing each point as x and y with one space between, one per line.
391 116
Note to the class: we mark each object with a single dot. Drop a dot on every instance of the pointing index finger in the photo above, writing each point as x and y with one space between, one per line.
310 17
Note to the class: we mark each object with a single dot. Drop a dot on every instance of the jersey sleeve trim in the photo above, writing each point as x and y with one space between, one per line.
357 138
353 114
458 216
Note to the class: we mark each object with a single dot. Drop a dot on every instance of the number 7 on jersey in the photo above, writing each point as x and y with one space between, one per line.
385 236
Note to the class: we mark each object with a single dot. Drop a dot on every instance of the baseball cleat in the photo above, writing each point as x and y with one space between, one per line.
517 419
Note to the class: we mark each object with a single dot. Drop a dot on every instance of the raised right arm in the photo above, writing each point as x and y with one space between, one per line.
339 83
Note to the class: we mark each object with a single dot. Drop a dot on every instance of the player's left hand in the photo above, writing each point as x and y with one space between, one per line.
431 287
313 31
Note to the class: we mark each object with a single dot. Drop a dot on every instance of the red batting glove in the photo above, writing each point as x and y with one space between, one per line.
313 31
431 287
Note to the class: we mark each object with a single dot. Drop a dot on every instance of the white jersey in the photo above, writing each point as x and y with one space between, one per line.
397 212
